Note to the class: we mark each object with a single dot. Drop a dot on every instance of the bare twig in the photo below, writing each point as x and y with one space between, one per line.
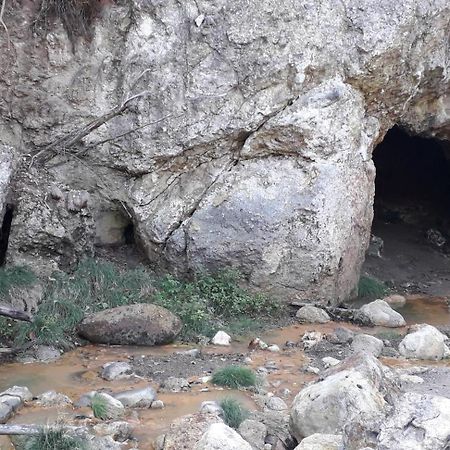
15 314
2 22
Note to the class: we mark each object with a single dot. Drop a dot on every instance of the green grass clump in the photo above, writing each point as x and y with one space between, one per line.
234 412
234 377
99 407
369 287
213 302
54 439
204 305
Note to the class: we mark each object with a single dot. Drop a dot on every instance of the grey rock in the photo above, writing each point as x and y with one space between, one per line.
114 408
9 404
119 430
19 391
380 313
173 384
221 437
211 407
276 404
157 404
322 442
254 433
424 342
367 343
312 314
137 398
138 324
51 398
341 335
116 370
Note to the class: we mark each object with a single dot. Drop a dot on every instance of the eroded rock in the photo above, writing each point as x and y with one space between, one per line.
312 314
424 342
380 313
221 437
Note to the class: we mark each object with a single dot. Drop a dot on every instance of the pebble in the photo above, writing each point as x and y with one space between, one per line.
157 404
273 348
221 338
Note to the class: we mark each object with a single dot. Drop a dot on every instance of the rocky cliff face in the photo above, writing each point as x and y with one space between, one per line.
247 140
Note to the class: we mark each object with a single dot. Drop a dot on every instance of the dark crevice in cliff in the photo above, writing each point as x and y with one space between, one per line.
5 230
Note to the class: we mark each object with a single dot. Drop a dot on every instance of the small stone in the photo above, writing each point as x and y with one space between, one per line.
46 354
329 361
257 344
85 400
367 343
120 431
320 441
137 398
395 300
276 404
253 432
248 360
173 384
193 352
158 404
285 393
311 338
341 335
380 313
312 314
314 370
413 379
114 409
9 404
221 338
116 371
206 379
19 391
424 342
273 348
210 407
199 20
51 398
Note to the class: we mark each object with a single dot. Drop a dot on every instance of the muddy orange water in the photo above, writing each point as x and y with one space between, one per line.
77 373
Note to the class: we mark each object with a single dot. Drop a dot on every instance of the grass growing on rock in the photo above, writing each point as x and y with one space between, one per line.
234 377
371 288
54 439
205 305
234 413
99 407
15 277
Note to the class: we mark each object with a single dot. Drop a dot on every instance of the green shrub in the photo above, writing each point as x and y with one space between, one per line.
234 377
234 412
369 287
54 439
99 407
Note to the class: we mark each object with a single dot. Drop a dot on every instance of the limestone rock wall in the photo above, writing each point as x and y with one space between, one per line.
254 124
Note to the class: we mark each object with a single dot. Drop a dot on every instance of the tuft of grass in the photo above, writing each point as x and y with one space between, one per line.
234 413
369 287
234 377
99 407
54 439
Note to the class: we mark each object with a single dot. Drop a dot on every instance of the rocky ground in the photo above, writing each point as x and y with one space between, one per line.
320 385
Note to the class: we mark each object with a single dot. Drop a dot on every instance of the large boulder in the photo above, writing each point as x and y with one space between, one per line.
353 389
221 437
139 324
419 421
250 145
424 342
380 313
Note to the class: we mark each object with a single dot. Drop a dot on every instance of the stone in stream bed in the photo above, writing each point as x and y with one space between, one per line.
254 433
221 437
380 313
367 343
174 384
116 370
424 342
312 314
137 398
139 324
111 408
319 441
51 398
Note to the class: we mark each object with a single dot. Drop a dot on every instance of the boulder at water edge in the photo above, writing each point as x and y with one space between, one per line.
139 324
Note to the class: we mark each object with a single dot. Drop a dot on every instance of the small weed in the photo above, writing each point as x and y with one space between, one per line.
16 276
54 439
233 412
234 377
99 407
369 287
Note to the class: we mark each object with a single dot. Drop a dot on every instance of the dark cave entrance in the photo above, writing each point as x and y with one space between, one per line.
411 214
5 230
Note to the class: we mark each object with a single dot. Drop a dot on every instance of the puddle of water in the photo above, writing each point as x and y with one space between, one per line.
430 310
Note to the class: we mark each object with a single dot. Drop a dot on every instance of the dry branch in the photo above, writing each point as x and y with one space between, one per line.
15 314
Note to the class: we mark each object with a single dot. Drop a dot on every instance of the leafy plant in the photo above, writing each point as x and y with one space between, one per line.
99 407
234 413
54 439
234 377
369 287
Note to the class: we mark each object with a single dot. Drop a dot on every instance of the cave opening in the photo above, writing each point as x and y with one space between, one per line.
5 231
410 243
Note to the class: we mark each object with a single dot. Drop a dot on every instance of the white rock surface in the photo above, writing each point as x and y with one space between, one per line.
329 361
53 399
221 338
367 343
380 313
424 342
221 437
319 441
419 421
137 398
312 314
116 370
